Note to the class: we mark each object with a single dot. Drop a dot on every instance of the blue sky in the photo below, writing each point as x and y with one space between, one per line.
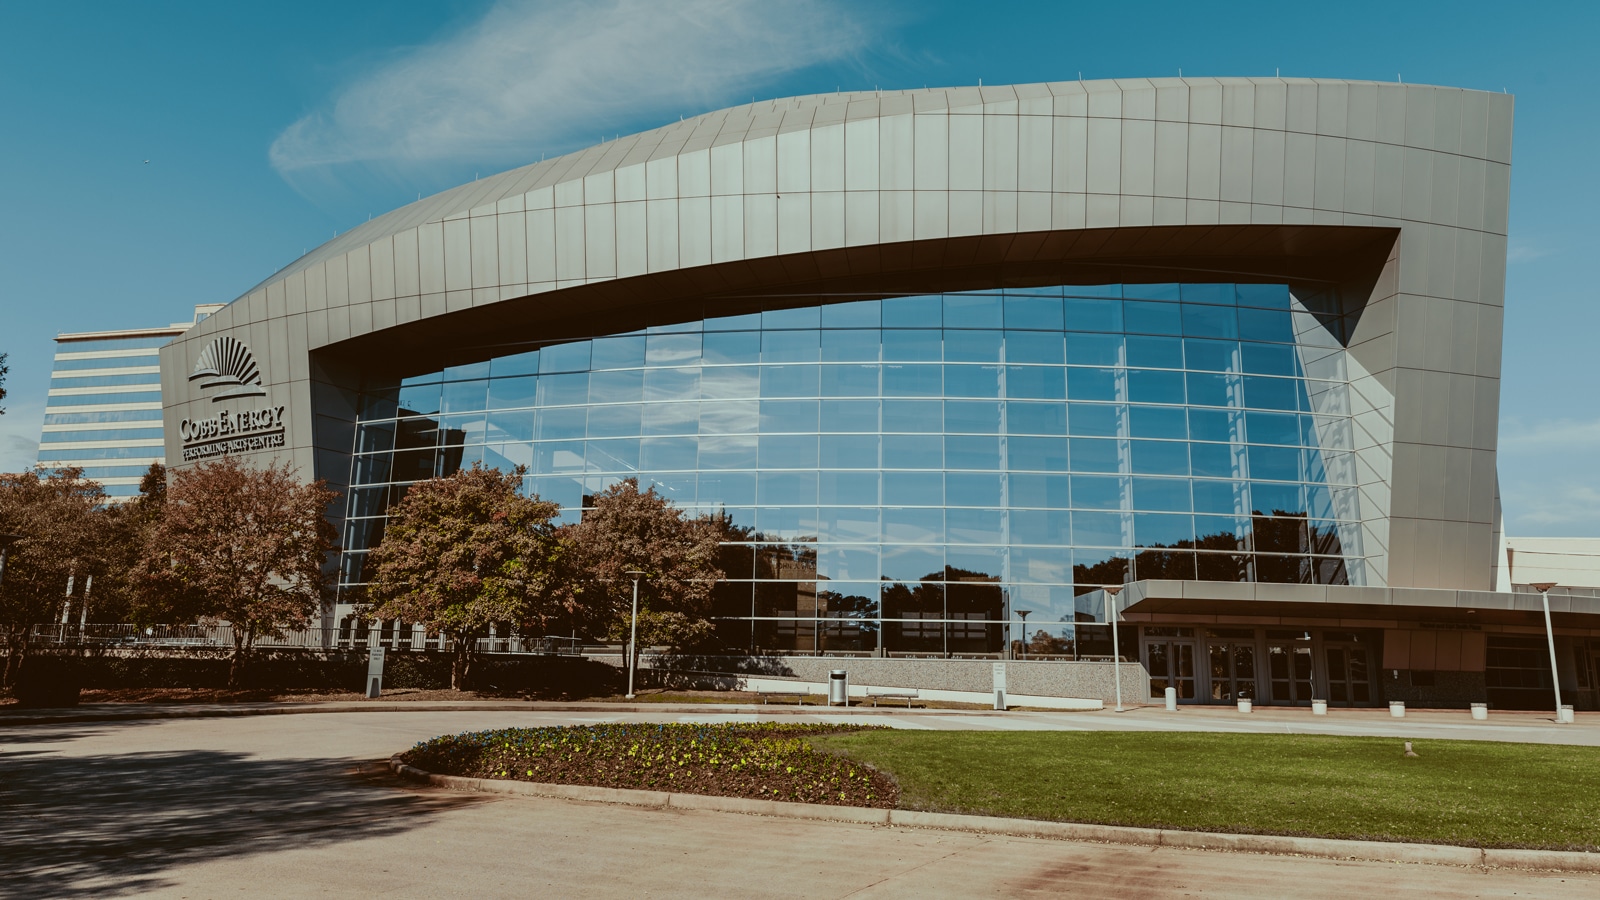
270 127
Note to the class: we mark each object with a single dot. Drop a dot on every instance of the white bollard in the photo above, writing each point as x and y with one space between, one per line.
1397 708
1319 707
1172 699
1565 716
1480 711
1245 705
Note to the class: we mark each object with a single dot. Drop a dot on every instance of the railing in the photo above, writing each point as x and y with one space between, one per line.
220 637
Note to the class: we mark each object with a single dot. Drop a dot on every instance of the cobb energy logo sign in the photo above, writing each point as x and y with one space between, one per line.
228 364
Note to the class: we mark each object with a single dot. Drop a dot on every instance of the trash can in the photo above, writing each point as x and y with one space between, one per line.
838 688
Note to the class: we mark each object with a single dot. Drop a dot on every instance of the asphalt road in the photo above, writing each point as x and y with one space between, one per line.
276 806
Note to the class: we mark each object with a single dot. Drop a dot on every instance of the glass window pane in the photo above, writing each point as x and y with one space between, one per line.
1097 491
913 381
624 352
1273 428
911 451
855 314
1160 457
787 451
728 416
1212 356
972 381
619 420
1094 349
1098 529
849 451
1094 419
1160 530
1041 490
1158 422
789 415
1155 386
1153 318
732 347
850 346
840 488
912 346
565 422
796 317
1217 460
1083 314
1270 296
1036 418
730 382
971 451
971 489
972 346
1033 312
1037 382
670 418
1210 321
913 488
510 393
972 416
1269 359
850 381
1092 384
1163 494
913 416
1266 325
1271 393
1207 293
573 357
972 311
1155 352
1038 347
1041 454
727 488
789 346
1094 455
789 381
786 488
913 312
625 386
732 451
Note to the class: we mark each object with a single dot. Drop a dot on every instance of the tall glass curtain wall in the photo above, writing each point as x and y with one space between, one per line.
911 475
104 411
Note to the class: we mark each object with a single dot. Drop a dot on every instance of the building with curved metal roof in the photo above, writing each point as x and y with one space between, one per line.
949 355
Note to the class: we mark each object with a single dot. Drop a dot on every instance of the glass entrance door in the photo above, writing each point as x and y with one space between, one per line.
1233 671
1349 675
1289 670
1171 664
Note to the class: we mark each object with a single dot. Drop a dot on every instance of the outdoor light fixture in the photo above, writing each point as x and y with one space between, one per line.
1543 588
1113 590
633 636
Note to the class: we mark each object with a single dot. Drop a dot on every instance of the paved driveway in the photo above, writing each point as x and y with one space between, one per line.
274 806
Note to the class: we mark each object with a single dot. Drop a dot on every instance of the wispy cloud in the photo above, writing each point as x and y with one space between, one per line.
1549 437
536 76
1548 483
1521 250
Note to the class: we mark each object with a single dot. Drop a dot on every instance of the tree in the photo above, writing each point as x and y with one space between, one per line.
63 529
141 585
462 553
632 531
247 546
4 369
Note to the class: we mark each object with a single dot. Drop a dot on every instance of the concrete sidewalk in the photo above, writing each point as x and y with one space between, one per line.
1520 727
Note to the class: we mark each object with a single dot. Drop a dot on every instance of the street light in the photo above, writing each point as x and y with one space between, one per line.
1023 615
633 636
1543 588
1113 590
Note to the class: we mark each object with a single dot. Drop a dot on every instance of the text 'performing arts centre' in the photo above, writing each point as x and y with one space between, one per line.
953 361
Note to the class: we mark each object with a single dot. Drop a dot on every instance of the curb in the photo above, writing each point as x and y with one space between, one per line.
1322 848
479 706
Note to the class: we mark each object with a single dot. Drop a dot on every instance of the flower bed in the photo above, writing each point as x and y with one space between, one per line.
767 760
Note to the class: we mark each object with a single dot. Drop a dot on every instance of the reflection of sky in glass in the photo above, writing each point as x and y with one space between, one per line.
935 455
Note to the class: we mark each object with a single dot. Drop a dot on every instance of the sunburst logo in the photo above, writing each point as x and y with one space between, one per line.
228 364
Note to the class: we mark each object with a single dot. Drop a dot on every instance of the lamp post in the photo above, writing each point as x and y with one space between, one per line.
1112 590
1023 615
1543 588
633 630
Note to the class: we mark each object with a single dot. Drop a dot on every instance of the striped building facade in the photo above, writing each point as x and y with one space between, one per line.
104 408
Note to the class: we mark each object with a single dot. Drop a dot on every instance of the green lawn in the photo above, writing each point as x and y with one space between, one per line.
1456 792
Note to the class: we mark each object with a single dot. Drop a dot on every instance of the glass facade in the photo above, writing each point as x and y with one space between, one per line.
914 475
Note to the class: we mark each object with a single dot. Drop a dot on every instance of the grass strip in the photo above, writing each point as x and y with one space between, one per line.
766 760
1471 793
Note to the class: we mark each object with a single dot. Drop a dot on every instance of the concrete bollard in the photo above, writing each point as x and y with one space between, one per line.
1319 707
1397 708
1245 704
1172 699
1480 711
1565 715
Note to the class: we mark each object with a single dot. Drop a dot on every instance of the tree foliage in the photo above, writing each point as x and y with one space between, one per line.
242 545
4 370
629 530
63 536
464 552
